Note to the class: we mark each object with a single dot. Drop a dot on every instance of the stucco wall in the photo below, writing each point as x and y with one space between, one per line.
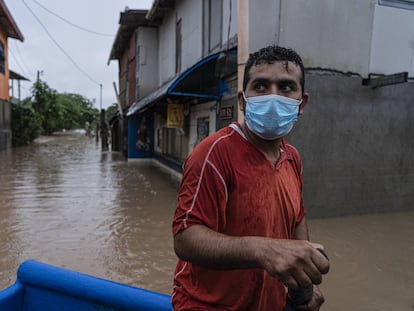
357 146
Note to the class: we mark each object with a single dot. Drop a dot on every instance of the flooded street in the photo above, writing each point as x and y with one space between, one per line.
64 202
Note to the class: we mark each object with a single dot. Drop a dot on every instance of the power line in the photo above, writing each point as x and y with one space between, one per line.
70 23
19 61
60 47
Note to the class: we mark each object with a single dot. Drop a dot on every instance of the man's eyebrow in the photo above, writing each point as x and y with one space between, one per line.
278 81
287 81
261 80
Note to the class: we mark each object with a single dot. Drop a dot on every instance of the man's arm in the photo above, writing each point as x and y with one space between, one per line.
302 231
294 262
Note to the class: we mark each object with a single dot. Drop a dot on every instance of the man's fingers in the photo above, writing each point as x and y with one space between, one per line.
321 261
314 274
290 282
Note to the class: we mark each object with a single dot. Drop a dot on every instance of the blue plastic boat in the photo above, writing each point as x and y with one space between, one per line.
42 287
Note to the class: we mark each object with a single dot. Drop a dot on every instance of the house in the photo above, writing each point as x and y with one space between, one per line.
356 134
124 49
8 29
186 78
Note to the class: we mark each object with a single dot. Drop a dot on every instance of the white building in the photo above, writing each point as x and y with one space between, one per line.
356 134
189 49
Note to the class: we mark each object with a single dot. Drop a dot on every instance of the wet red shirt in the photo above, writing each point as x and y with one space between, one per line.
231 187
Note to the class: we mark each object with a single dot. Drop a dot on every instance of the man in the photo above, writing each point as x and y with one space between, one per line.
240 230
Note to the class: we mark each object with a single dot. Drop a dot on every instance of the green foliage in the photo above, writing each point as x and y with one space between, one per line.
49 111
61 111
26 124
46 105
76 110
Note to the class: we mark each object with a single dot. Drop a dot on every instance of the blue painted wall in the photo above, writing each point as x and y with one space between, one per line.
140 136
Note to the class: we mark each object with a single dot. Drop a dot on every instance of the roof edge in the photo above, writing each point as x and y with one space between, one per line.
15 31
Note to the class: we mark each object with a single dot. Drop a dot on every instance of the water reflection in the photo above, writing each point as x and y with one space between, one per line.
64 202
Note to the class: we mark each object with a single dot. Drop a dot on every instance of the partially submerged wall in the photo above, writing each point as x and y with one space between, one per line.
5 125
357 146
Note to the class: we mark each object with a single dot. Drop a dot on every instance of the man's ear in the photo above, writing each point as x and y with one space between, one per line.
305 100
242 102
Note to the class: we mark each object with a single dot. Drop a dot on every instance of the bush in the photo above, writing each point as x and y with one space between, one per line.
26 124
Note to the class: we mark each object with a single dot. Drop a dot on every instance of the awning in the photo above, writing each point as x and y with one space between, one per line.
16 76
200 80
151 98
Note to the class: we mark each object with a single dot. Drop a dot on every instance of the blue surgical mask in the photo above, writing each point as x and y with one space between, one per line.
271 116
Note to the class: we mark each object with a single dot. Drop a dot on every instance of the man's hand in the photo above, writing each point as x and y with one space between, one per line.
296 263
315 303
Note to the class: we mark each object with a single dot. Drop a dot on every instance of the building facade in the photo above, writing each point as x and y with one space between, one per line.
186 78
8 29
356 134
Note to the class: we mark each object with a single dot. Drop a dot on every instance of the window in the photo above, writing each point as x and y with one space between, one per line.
403 4
2 58
178 40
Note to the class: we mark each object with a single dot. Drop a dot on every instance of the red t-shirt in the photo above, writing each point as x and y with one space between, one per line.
229 186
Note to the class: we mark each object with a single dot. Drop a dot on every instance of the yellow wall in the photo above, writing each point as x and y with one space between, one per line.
4 78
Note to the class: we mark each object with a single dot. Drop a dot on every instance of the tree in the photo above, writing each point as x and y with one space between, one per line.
61 111
26 123
76 111
46 105
49 111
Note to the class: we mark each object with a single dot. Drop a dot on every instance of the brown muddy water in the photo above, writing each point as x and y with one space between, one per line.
64 202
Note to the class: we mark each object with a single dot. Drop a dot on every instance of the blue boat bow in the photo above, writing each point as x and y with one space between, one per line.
42 287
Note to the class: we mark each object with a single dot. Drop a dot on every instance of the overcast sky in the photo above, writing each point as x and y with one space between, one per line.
68 42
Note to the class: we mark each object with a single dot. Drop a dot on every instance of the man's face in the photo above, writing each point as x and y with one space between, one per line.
280 78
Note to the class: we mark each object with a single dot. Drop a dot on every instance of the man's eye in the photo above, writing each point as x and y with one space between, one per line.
287 88
259 88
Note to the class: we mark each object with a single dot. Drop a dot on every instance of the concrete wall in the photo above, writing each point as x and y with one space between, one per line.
198 113
332 34
393 41
190 13
5 125
147 61
166 49
360 36
357 146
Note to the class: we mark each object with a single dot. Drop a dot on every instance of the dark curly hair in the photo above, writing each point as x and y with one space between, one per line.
269 55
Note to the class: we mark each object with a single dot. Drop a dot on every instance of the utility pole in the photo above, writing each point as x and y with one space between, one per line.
100 102
243 45
39 72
